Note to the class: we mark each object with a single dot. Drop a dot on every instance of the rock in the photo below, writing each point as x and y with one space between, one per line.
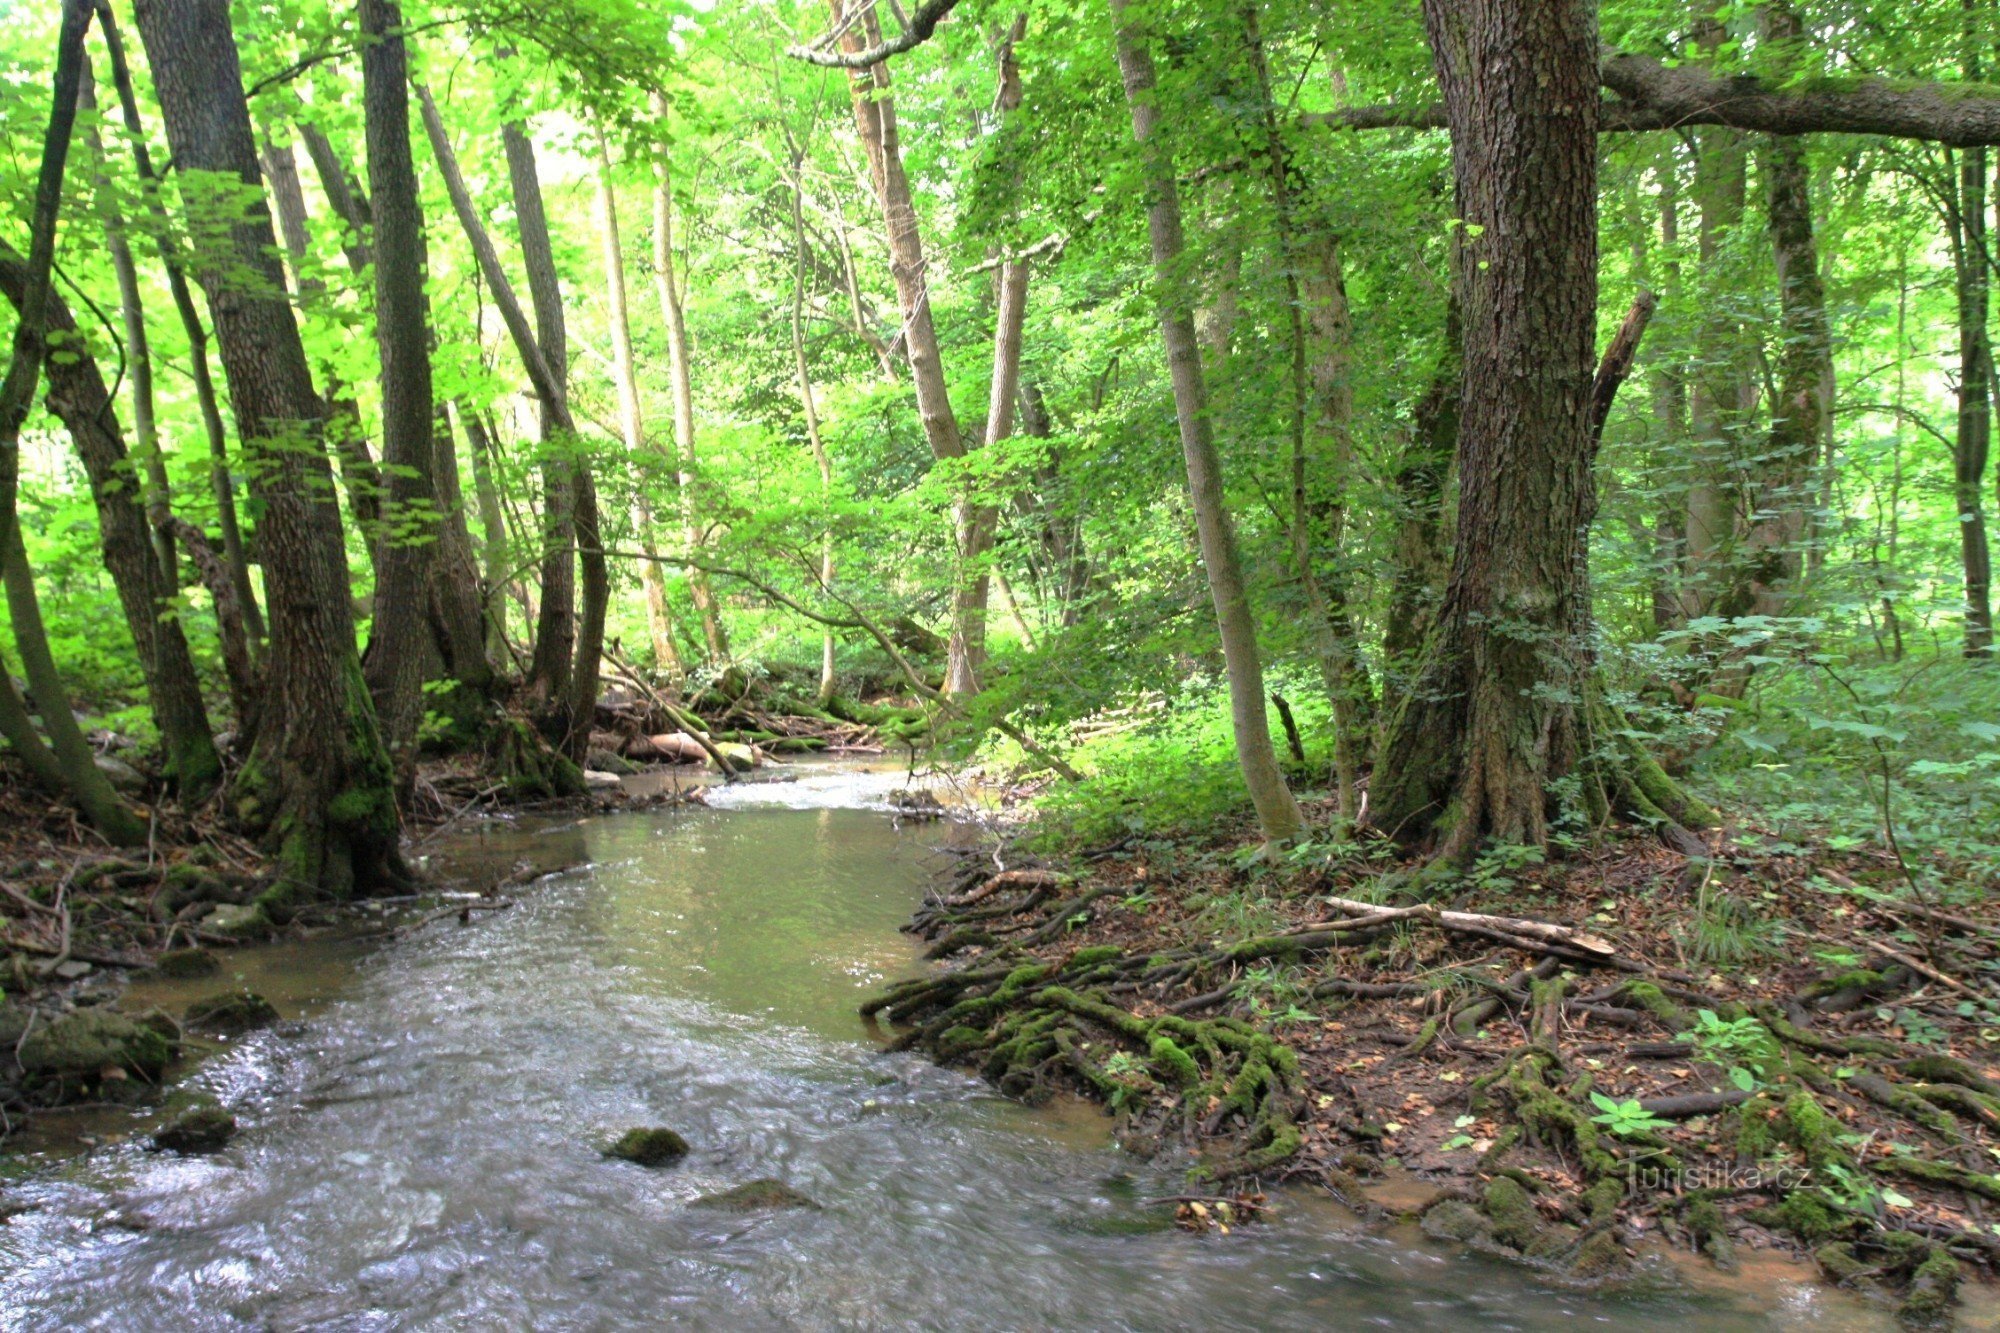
121 775
609 761
72 969
202 1126
231 1011
233 918
741 757
89 1041
755 1196
649 1147
184 963
597 780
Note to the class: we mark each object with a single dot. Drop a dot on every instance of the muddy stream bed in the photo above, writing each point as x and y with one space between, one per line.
421 1136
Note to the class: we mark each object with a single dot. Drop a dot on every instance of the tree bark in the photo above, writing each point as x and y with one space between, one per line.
78 396
318 785
631 424
803 370
234 551
406 551
680 374
1495 718
1278 813
1971 254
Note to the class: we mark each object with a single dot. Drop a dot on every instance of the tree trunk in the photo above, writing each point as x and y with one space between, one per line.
803 370
358 472
492 531
318 785
680 373
1495 719
77 395
1277 812
234 552
407 547
138 357
1971 253
553 671
875 120
630 423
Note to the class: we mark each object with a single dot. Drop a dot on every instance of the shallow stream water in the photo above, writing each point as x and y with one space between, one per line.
421 1138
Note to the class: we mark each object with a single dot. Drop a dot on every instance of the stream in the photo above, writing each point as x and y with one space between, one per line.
421 1136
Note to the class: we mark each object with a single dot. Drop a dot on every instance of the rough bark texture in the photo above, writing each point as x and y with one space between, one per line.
77 395
318 784
1652 95
555 623
1277 812
234 551
406 550
1495 716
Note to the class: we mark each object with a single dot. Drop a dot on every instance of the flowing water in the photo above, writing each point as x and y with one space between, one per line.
420 1142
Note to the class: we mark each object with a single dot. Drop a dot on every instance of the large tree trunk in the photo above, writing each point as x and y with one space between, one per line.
77 395
1971 254
1277 812
680 374
1495 721
318 785
407 546
235 553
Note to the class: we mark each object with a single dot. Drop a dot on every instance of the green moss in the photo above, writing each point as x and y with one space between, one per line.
1933 1290
1177 1064
1802 1213
1707 1229
1516 1223
184 963
1649 997
648 1146
1093 956
755 1196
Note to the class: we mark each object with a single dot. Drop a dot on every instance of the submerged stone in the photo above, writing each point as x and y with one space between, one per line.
755 1196
649 1147
232 1011
183 963
203 1127
90 1041
232 918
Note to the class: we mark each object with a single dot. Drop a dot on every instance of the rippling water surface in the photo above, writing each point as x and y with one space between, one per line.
420 1144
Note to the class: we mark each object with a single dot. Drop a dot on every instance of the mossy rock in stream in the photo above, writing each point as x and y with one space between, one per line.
200 1125
755 1196
185 963
238 1010
85 1043
652 1146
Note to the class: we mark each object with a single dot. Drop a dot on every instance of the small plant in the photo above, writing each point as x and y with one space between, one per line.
1742 1046
1626 1119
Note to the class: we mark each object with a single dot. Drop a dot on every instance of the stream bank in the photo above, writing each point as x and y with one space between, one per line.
1767 1053
421 1131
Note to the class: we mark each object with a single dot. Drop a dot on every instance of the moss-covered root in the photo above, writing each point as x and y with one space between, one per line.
1897 1261
530 766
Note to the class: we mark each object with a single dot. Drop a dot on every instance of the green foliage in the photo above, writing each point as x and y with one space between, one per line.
1626 1119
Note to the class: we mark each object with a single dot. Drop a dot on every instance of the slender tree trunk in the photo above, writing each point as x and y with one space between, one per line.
875 120
578 673
234 551
358 472
1277 812
318 785
77 395
630 423
680 373
492 531
803 370
138 358
396 658
1971 252
552 674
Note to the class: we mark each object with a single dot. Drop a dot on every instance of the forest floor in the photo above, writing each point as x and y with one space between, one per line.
1779 1047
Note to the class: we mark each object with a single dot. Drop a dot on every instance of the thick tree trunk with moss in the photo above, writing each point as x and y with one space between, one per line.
318 785
1505 713
78 396
1277 811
